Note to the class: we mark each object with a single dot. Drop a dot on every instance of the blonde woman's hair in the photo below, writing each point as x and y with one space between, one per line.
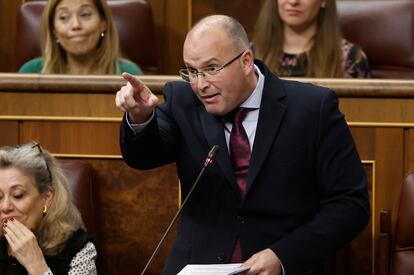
54 56
62 218
324 58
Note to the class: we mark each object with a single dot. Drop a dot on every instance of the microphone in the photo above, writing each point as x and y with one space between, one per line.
210 157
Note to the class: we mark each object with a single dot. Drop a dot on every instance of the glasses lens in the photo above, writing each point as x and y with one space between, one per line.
184 75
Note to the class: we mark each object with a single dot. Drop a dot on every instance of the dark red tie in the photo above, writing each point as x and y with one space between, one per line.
240 157
240 149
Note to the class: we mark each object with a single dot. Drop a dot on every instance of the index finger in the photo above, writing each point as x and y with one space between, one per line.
16 227
135 83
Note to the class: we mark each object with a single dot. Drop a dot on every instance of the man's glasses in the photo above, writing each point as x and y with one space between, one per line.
191 75
37 145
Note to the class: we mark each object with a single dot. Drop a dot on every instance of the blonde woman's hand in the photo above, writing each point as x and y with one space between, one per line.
136 99
24 247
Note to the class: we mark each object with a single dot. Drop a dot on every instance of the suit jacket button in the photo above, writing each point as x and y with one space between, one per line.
240 219
220 257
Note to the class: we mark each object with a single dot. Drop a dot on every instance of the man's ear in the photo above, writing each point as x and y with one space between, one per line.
247 60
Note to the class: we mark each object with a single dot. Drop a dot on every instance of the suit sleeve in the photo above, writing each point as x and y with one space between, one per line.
344 209
156 145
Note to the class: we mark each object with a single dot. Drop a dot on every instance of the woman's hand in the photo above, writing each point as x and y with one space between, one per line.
24 247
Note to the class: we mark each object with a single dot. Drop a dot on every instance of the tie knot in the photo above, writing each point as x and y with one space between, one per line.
239 114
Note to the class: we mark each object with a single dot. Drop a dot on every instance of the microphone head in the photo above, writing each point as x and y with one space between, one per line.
213 152
211 155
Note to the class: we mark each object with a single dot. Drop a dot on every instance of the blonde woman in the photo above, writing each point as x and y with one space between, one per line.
42 230
79 37
301 38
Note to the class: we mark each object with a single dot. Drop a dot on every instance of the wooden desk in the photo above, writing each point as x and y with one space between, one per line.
75 117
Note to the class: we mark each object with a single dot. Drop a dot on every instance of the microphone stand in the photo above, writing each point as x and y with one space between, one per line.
211 155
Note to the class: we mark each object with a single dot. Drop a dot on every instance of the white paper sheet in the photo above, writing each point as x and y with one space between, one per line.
210 269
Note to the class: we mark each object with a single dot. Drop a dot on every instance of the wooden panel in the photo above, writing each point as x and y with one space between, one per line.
389 161
8 14
175 30
8 133
171 22
134 209
378 110
63 104
364 138
158 11
409 152
73 137
385 146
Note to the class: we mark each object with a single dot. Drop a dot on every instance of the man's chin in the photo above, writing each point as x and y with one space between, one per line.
215 110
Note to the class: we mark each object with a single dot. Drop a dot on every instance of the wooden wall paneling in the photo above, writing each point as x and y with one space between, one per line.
378 109
134 209
364 138
8 15
59 104
66 137
173 24
389 173
409 150
9 133
158 11
385 147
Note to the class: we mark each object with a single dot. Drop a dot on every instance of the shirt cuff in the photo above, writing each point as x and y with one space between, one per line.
139 127
283 269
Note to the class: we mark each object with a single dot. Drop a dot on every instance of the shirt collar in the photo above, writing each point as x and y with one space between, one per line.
254 100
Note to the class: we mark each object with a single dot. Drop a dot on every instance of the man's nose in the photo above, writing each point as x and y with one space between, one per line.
201 82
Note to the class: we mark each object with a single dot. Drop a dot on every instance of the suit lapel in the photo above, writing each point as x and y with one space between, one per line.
213 129
271 116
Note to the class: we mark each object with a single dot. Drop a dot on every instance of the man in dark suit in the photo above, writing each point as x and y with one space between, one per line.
305 193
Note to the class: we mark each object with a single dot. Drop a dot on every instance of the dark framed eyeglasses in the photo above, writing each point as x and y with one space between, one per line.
191 75
37 145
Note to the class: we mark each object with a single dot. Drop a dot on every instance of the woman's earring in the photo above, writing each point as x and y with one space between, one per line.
44 212
323 5
102 34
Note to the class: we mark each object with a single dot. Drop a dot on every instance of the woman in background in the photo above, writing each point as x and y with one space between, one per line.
301 38
42 230
79 37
